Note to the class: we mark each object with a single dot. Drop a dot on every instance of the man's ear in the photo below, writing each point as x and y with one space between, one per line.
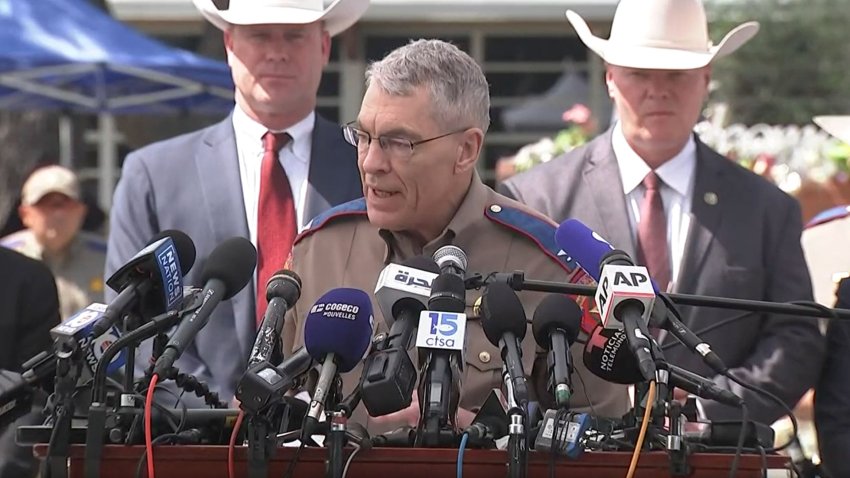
470 149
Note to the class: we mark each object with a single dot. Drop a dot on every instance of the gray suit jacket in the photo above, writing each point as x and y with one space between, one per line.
744 245
191 183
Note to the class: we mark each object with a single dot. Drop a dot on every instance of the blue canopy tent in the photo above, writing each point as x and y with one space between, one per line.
69 55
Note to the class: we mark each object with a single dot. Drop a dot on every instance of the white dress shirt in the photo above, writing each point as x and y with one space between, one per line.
294 157
677 191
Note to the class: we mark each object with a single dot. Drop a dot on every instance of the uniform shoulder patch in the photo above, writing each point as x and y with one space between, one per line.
829 215
356 207
539 230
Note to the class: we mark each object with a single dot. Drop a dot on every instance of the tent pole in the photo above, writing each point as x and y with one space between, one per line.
107 160
66 144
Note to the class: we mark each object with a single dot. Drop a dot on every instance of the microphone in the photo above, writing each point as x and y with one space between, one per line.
282 292
389 376
588 248
228 269
154 277
79 333
555 325
441 340
263 385
606 358
337 333
504 323
448 291
625 298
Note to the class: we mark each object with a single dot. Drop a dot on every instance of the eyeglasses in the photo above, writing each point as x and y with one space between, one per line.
393 146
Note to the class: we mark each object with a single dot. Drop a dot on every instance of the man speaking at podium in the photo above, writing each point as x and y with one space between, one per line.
418 137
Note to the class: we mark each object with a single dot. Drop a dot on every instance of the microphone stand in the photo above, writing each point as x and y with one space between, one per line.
67 373
261 444
518 282
436 429
517 446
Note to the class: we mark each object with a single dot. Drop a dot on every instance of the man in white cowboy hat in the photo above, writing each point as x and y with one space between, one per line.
700 223
263 173
825 243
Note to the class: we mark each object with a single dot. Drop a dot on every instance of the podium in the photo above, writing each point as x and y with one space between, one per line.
178 461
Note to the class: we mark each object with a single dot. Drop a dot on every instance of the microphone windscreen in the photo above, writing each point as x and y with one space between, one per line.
554 312
231 262
501 312
284 284
340 323
422 263
183 245
607 355
583 245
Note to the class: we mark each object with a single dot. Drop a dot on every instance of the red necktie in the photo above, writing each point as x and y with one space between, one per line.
276 223
652 233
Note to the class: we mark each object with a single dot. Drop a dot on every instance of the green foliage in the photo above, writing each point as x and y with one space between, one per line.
795 68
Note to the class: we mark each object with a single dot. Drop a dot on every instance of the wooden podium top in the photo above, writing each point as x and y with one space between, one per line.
211 461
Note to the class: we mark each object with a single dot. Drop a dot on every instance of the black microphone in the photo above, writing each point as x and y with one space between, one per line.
228 269
504 323
448 291
153 277
662 318
605 357
389 377
625 298
263 384
282 292
440 339
556 324
588 248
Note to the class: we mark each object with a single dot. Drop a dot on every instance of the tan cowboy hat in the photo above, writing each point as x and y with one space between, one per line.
338 16
838 126
661 35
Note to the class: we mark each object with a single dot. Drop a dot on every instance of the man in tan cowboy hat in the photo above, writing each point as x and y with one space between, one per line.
52 209
825 243
700 223
262 173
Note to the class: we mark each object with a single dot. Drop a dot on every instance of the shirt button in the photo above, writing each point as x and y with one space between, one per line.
484 357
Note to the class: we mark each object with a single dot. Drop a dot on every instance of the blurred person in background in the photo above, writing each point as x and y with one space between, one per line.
53 212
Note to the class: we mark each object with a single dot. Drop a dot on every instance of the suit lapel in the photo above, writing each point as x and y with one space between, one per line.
709 199
217 165
333 169
602 177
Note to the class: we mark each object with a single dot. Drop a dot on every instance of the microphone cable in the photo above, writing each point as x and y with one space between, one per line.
231 445
148 439
650 401
790 413
463 439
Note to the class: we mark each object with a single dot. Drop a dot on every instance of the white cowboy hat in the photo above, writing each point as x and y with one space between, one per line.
661 35
338 16
838 126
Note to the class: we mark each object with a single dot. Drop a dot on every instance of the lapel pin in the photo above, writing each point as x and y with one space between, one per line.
710 198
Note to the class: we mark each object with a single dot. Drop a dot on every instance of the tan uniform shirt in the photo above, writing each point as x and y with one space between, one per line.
78 272
824 243
347 251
